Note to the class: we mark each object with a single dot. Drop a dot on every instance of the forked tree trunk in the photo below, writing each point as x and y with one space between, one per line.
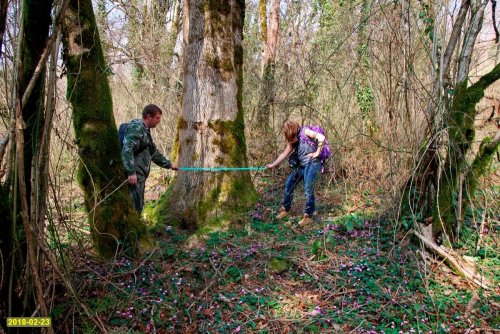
114 223
441 177
461 135
211 130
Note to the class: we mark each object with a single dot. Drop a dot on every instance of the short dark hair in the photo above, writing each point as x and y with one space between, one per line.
150 109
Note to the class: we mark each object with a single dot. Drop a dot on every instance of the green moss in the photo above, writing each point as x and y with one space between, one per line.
232 140
157 212
263 20
176 149
209 201
212 61
114 223
217 7
279 265
479 166
461 135
219 160
226 70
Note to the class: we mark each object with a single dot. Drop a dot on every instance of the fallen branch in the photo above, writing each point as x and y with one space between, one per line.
454 263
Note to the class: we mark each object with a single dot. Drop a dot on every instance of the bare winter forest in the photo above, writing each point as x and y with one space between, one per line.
406 230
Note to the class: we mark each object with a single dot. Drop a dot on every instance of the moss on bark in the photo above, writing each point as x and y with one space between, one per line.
479 166
461 134
114 223
207 137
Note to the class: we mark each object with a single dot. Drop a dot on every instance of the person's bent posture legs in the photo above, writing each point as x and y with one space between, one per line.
307 145
311 172
293 179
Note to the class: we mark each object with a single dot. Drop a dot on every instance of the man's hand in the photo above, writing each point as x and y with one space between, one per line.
174 167
132 179
269 166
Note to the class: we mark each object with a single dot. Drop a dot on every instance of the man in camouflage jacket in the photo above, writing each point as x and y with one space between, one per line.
138 151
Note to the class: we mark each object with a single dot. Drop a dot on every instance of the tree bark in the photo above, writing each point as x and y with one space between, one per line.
461 135
4 4
487 150
211 130
36 21
440 174
114 223
269 34
18 243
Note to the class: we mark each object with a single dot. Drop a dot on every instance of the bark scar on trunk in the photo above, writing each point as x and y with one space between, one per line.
76 27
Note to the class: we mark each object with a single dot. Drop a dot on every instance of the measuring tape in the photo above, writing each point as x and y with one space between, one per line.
219 169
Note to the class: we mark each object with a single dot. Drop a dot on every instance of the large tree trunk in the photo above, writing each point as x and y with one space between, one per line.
114 223
211 131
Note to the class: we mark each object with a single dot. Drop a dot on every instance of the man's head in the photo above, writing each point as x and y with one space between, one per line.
151 115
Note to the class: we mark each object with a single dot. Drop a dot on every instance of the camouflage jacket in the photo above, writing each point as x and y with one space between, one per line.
139 149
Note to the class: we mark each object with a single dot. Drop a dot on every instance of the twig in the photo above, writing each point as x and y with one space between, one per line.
68 286
481 227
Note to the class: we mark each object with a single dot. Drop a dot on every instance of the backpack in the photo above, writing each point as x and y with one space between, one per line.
326 152
121 133
293 158
122 130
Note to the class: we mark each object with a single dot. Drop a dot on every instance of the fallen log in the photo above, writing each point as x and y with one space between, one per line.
456 264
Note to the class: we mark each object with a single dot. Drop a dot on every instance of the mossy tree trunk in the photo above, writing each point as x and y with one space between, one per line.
211 131
114 223
480 164
442 168
461 135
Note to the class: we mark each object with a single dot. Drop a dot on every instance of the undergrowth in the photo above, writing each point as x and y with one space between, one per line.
352 271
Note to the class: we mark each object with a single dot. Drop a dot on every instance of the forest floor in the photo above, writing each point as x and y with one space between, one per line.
355 269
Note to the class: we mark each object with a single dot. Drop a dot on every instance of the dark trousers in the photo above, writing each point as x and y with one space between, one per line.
309 174
137 194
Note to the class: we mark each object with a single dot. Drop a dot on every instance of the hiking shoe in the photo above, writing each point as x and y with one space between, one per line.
307 220
282 214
